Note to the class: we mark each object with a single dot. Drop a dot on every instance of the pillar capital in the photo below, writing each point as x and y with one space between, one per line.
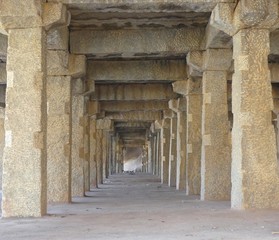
195 62
31 14
217 59
104 124
178 105
180 87
230 18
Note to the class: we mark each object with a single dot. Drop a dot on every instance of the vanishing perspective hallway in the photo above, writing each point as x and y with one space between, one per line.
139 207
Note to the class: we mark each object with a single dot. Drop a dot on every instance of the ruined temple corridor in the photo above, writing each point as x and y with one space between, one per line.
139 207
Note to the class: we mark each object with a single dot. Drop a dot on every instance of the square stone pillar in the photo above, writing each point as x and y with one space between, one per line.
194 139
255 181
181 150
150 156
165 145
59 138
77 139
105 153
86 153
173 151
99 155
93 163
216 148
24 161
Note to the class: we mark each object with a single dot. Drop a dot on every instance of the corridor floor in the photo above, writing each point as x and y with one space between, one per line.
139 207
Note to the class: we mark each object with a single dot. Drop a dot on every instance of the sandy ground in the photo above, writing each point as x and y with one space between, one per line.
138 207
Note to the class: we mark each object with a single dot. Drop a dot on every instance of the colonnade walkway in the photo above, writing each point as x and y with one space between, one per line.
139 207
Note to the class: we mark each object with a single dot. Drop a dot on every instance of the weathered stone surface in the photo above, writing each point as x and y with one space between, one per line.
173 151
59 139
134 92
93 107
215 158
217 59
129 71
2 142
77 139
3 73
2 94
127 106
58 38
255 178
24 162
135 42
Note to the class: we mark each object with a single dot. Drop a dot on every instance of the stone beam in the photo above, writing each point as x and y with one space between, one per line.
146 6
135 42
134 92
136 116
126 106
129 71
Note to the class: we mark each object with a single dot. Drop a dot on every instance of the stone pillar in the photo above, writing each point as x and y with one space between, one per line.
93 163
181 150
99 156
2 142
255 180
77 139
194 140
165 146
59 114
149 154
24 161
216 148
86 153
173 151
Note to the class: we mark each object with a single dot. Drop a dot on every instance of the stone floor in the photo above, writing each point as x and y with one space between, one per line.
138 207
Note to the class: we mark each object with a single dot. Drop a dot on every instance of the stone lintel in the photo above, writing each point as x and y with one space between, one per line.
134 42
133 92
180 87
127 106
136 116
149 70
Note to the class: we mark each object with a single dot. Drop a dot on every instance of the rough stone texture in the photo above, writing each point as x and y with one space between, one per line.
77 138
255 178
24 162
99 156
93 163
217 59
214 38
127 106
173 151
2 142
58 38
216 157
3 73
134 92
194 141
59 139
129 71
135 42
